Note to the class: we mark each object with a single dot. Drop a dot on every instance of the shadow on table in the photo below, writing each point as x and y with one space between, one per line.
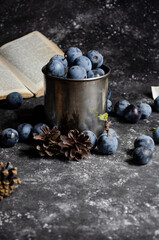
130 151
130 160
3 104
14 117
148 94
32 154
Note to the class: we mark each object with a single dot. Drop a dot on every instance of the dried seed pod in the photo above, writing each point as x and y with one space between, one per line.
8 179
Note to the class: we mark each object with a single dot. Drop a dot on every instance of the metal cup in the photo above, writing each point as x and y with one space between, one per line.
76 103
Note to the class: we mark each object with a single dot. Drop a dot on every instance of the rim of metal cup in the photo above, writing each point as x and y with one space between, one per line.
79 80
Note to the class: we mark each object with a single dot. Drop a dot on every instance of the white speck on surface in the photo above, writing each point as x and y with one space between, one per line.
60 194
45 225
157 232
132 130
49 218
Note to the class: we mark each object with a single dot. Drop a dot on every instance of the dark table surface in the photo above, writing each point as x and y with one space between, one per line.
101 197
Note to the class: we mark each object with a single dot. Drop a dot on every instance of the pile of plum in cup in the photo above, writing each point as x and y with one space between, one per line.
76 66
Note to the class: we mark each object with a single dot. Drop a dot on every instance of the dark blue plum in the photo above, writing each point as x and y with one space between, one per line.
56 68
132 114
99 71
109 106
109 93
144 141
77 72
142 155
92 138
24 130
107 145
96 58
9 137
95 73
90 74
156 104
145 110
37 128
71 54
60 58
120 106
14 100
156 135
83 61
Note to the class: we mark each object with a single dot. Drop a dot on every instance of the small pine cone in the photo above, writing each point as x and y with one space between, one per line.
48 141
75 146
8 179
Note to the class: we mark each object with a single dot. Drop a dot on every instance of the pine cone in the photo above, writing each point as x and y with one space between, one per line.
8 179
48 141
75 146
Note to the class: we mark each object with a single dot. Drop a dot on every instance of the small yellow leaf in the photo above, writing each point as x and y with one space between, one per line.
103 117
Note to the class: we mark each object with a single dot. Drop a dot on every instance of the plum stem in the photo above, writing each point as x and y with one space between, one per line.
107 124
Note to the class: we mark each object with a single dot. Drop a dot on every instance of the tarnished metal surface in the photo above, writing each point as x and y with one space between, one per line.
73 103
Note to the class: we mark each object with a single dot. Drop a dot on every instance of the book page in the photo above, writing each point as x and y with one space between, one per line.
155 91
10 83
27 55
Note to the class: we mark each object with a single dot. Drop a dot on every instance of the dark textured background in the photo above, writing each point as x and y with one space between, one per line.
101 197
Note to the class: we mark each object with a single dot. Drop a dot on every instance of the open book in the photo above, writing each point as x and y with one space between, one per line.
21 62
